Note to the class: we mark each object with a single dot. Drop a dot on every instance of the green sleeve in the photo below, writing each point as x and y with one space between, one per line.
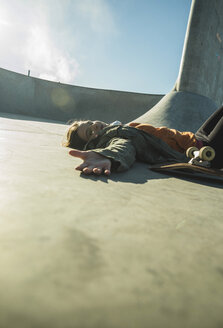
120 151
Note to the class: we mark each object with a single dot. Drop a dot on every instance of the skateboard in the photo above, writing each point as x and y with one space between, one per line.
199 164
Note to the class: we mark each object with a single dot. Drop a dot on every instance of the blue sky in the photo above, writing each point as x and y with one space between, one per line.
130 45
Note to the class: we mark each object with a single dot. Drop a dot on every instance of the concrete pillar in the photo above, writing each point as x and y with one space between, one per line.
201 69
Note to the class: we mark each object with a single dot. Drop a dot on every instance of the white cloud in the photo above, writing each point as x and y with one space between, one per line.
29 43
49 37
4 22
43 56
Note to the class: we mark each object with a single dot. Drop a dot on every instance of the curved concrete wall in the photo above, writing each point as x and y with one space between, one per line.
20 94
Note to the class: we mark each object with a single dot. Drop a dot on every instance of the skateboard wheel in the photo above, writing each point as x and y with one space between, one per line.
190 152
207 153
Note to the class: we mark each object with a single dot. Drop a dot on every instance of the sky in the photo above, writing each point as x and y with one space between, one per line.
128 45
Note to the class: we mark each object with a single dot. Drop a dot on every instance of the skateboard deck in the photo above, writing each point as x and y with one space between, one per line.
188 169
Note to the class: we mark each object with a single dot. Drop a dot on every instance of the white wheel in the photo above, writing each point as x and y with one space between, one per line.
207 153
190 152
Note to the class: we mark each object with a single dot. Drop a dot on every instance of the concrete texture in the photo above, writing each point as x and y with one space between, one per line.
137 249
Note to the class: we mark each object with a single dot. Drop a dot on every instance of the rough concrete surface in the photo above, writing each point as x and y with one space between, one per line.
138 249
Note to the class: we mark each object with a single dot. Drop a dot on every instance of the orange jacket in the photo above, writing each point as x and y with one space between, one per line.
179 141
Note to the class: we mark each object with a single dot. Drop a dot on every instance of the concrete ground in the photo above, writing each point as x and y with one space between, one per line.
137 249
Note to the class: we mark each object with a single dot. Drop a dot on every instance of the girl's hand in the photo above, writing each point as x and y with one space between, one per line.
92 162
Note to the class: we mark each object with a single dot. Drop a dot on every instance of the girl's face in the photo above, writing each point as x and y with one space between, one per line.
89 130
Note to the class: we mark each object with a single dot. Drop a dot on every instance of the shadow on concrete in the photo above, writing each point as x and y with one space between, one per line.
140 174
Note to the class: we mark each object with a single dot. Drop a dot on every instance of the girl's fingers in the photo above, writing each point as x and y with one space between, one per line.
87 170
97 171
107 172
81 166
78 153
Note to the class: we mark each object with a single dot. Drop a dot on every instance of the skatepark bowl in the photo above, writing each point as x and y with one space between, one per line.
136 249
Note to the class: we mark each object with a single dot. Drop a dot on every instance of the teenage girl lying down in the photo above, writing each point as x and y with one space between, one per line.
115 147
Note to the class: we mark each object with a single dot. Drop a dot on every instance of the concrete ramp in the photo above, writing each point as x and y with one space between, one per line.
184 111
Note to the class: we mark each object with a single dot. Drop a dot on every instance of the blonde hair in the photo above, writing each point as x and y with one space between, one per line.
72 138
